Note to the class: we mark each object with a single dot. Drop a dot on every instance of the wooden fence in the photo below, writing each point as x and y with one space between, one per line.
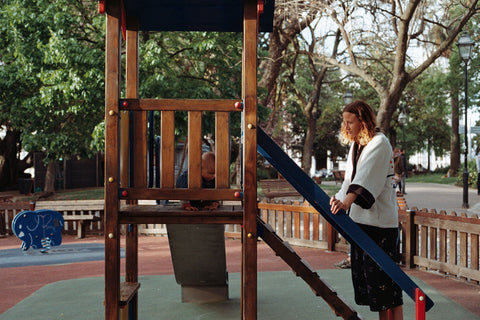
300 224
441 242
70 209
8 210
446 243
432 241
74 212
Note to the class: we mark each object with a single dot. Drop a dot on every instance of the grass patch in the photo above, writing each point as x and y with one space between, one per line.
76 194
432 178
331 190
84 194
98 193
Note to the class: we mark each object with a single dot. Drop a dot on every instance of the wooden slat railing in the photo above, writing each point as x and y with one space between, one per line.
439 242
8 211
166 168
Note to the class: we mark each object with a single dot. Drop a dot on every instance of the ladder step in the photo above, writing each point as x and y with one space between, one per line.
289 247
308 266
301 268
128 290
268 227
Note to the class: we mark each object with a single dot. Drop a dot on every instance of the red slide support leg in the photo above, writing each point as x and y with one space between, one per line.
419 304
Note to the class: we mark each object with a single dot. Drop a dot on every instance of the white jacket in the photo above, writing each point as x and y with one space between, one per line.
375 174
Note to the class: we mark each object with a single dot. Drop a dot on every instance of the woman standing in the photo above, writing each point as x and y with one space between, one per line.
368 196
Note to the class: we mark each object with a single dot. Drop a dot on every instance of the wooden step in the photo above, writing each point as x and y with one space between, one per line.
174 214
128 290
304 262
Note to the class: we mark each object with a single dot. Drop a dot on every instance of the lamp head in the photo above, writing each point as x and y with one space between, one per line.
465 45
402 118
348 97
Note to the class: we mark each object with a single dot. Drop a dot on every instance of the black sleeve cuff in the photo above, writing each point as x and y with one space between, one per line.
365 199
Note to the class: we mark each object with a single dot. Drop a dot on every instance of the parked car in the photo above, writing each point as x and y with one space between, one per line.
324 173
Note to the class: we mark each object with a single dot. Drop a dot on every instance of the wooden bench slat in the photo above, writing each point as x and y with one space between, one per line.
81 211
81 217
339 175
272 188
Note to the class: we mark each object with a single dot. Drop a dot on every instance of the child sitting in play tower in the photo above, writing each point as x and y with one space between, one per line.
208 181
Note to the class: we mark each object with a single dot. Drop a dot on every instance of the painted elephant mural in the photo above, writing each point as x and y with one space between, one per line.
39 229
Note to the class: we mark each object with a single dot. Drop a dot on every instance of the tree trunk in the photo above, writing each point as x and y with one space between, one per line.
389 101
308 146
455 140
50 177
271 70
280 38
429 154
9 163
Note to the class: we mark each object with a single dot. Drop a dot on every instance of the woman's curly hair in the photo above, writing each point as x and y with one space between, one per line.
367 118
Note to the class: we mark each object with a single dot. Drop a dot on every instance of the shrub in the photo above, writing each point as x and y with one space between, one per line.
472 174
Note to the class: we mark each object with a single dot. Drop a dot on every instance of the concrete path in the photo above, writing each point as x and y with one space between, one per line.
441 197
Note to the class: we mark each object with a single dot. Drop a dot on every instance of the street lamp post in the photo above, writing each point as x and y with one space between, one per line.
402 119
348 97
465 45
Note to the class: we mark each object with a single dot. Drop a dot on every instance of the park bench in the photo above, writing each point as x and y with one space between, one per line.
8 211
83 212
272 188
338 175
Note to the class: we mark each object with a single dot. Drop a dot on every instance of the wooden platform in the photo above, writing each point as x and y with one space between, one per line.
176 215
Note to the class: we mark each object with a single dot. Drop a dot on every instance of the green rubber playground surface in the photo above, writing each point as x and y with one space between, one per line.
281 295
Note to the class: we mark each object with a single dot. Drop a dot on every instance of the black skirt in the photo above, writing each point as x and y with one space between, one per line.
372 286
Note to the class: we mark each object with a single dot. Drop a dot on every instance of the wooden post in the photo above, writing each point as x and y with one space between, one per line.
167 160
222 150
131 248
194 149
249 95
410 239
331 237
112 95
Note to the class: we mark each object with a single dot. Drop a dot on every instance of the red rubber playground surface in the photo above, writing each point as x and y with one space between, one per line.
18 283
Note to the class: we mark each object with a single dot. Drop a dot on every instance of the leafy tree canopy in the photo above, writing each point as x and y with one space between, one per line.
51 75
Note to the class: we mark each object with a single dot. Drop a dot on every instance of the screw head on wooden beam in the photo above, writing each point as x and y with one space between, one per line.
111 236
111 179
111 113
250 126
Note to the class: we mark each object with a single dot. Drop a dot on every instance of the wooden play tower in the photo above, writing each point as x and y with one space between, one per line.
126 148
126 170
